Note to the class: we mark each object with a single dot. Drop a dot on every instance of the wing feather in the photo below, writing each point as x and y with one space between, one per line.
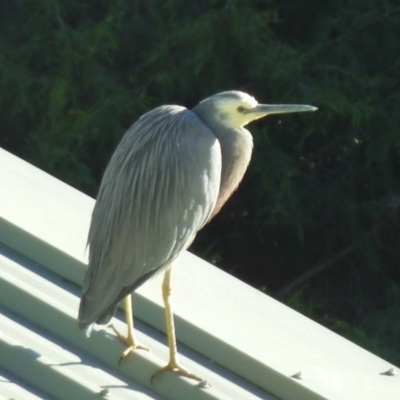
159 189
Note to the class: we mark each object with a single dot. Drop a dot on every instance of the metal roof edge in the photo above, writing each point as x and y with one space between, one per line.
224 320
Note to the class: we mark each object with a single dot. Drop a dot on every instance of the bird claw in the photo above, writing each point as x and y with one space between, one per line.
130 349
175 367
129 341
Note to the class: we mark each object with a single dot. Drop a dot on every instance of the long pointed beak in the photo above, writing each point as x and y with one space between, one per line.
265 109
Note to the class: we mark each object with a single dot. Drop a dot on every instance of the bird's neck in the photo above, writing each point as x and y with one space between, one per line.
236 148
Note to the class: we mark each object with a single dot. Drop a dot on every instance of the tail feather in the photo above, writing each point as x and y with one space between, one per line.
95 308
88 319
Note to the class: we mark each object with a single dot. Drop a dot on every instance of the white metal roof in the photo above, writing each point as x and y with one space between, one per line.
247 345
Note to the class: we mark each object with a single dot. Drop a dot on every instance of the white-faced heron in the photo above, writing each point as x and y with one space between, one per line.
172 172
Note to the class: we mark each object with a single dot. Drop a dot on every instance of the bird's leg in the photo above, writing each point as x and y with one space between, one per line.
130 340
173 364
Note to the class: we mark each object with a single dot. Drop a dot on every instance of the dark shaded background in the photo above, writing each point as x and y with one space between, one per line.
316 221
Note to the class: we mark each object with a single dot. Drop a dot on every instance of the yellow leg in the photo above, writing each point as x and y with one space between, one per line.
130 340
173 364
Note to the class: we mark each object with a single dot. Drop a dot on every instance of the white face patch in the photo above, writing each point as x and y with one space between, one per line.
232 110
251 101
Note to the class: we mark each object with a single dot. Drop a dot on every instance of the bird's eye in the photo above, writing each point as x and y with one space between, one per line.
241 109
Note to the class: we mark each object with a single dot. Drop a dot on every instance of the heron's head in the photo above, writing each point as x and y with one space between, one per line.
236 109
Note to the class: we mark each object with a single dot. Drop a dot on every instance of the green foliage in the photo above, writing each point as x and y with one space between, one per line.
383 326
75 74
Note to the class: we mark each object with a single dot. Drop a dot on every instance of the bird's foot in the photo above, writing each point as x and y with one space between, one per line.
130 341
176 367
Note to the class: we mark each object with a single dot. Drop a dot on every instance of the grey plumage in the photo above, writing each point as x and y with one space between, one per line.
159 189
172 171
